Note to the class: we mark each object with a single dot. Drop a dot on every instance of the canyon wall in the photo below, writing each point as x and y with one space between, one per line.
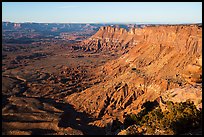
160 60
109 38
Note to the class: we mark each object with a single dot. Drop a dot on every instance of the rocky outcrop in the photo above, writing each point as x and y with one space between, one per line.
107 39
193 71
184 94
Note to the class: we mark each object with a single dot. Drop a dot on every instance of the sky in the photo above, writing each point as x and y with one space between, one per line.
102 12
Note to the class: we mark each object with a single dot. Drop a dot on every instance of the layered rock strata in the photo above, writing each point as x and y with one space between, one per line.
161 58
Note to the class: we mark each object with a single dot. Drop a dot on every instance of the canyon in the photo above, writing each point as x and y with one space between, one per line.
82 87
159 60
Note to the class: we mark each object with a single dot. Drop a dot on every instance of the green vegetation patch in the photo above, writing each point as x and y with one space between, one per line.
178 118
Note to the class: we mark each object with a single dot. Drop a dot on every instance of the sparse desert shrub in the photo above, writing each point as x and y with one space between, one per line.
177 119
187 117
130 120
137 119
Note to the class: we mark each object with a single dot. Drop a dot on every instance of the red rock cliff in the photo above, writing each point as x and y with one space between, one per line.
161 59
109 38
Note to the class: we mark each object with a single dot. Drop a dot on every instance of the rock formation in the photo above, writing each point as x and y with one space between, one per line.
107 39
160 58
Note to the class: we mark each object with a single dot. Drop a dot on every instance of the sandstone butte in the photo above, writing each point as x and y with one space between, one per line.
157 61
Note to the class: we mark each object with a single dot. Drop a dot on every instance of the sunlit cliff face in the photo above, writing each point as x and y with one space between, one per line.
158 59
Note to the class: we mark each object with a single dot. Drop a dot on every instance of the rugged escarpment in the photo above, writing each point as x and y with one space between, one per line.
120 39
162 47
162 59
109 39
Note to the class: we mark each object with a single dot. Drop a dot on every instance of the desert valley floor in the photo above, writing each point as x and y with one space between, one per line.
35 89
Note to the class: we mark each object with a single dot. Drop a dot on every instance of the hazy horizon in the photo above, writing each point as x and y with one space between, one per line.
106 22
103 12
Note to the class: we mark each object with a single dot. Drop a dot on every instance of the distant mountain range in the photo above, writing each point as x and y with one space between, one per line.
69 27
13 32
53 27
